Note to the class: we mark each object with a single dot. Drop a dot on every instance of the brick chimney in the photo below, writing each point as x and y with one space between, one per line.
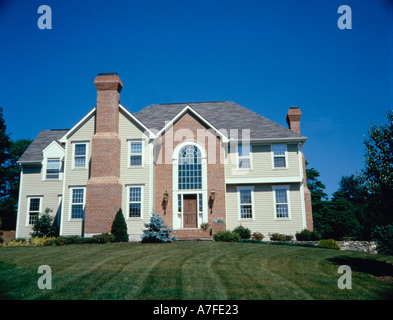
293 119
103 189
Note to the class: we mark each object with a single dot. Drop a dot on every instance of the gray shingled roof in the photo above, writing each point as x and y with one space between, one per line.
44 138
221 114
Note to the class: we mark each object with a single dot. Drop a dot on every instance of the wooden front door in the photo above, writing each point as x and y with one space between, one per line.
190 211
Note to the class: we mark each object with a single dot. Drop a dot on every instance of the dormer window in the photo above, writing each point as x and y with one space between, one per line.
53 169
53 156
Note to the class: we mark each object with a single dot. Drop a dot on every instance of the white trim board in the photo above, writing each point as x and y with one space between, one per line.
264 180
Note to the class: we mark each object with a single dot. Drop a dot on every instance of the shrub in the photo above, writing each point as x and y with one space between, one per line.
59 241
243 232
307 235
18 242
103 238
119 227
280 237
157 231
226 236
44 241
44 227
257 236
75 240
328 244
383 235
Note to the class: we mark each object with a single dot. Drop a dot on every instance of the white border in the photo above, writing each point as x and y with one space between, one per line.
287 188
285 155
28 207
142 186
240 188
73 143
129 142
175 186
70 203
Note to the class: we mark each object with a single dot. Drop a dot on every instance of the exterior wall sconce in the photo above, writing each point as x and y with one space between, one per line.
211 200
212 195
165 201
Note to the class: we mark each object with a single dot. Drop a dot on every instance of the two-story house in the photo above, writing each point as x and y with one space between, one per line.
193 163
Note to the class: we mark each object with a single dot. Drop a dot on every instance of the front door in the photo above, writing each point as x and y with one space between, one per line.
190 211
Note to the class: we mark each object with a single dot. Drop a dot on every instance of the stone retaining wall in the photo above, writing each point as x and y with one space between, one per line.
362 246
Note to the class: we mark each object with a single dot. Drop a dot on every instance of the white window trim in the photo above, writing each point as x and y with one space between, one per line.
28 208
251 188
238 158
45 167
177 219
128 201
287 188
130 141
286 157
73 155
70 218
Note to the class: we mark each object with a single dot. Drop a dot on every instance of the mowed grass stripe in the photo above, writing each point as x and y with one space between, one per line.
186 270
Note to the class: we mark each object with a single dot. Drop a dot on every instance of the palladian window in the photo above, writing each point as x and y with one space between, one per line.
190 168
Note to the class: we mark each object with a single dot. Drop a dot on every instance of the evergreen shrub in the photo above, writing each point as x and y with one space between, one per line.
157 231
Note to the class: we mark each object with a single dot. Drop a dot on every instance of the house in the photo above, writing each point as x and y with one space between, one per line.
214 162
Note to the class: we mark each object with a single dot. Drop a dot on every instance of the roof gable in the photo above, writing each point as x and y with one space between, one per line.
33 154
184 111
223 115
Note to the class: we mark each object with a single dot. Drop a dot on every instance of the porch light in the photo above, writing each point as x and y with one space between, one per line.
165 200
212 195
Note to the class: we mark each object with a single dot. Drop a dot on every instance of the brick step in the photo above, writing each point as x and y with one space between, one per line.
183 234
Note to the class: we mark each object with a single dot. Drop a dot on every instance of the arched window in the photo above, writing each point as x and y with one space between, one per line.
190 168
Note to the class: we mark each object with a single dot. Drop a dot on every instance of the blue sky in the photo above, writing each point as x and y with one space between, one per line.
264 55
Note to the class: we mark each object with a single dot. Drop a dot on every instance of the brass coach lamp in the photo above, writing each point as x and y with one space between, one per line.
211 200
165 200
212 195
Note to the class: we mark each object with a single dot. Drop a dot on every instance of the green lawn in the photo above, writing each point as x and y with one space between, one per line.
191 270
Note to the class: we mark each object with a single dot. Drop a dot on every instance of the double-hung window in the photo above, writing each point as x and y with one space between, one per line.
77 203
53 169
135 202
244 156
245 202
279 155
34 209
136 154
80 155
281 202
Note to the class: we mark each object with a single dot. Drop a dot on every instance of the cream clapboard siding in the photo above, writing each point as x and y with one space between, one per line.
262 163
75 177
130 130
263 210
33 185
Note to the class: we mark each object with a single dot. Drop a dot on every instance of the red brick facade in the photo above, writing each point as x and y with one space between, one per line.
103 189
192 129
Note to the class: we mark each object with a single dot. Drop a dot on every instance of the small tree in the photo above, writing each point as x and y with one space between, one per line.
119 227
43 227
157 231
